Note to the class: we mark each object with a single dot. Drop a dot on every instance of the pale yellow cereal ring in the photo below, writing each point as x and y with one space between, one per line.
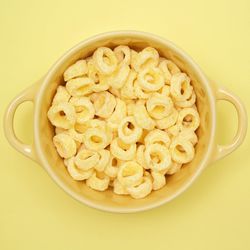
77 69
128 130
144 133
159 180
151 79
140 156
75 172
119 188
174 168
189 118
84 108
168 68
182 151
80 86
107 66
188 134
174 131
112 167
78 137
103 161
130 107
130 174
93 72
157 136
157 157
159 106
168 121
127 91
118 114
86 159
62 115
98 181
95 139
119 77
148 57
65 145
142 117
121 150
139 92
187 103
104 104
180 88
122 54
142 190
62 95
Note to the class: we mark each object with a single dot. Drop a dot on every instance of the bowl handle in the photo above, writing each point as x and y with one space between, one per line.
26 95
223 150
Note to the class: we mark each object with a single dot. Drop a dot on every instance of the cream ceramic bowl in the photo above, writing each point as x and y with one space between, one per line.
43 151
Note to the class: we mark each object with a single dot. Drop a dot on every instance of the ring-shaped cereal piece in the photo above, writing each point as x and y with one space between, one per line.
122 54
107 66
84 108
168 68
62 115
62 95
159 106
127 90
130 173
112 167
98 181
168 121
159 180
140 156
119 77
80 86
151 79
130 107
129 131
65 145
187 103
122 150
93 72
188 134
139 92
141 190
77 69
95 139
157 136
75 172
157 157
180 88
182 151
119 188
174 168
142 117
86 159
189 118
103 161
165 90
104 104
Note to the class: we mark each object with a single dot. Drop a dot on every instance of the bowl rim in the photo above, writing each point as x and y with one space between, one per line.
66 56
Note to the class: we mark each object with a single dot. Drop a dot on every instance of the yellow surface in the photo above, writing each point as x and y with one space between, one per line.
212 214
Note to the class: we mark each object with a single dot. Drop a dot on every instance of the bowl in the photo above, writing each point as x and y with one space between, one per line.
43 151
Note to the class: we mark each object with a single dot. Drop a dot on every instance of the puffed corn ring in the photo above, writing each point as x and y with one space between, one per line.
187 103
127 90
157 136
62 115
168 68
112 167
174 168
122 54
93 72
62 95
98 181
108 66
139 92
168 121
157 157
151 79
86 159
142 117
65 145
119 188
182 151
80 86
95 139
104 104
118 114
141 190
188 134
103 161
75 172
189 118
121 150
130 108
159 180
75 70
165 90
140 156
180 87
119 77
84 108
159 106
130 173
128 130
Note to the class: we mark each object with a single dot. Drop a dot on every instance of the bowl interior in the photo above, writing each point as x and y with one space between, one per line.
108 200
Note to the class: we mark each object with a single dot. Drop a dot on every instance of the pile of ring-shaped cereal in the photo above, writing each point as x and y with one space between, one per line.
124 119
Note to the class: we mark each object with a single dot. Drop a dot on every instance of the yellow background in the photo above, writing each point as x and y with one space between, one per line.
213 214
